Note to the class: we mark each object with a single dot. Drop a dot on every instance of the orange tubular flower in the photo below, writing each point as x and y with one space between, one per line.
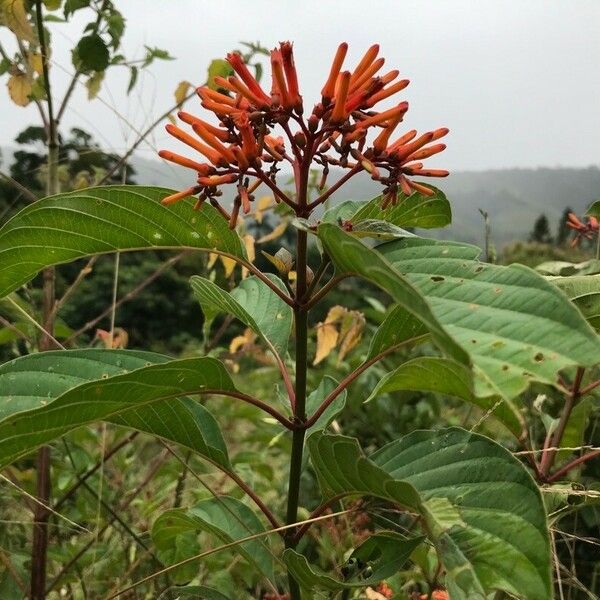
329 88
345 130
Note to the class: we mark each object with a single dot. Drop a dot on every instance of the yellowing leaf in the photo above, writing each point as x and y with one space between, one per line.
172 118
19 88
93 84
15 17
212 259
278 231
228 265
327 337
353 335
241 342
181 91
36 62
262 204
250 251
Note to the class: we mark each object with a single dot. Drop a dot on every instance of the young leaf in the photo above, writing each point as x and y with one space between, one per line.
98 220
383 554
254 304
46 395
226 518
444 376
481 508
410 211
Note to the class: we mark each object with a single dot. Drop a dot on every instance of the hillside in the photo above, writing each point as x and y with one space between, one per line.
514 198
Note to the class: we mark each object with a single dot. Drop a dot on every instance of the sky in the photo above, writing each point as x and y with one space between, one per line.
516 81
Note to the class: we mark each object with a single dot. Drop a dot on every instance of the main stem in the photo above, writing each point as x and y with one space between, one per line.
39 550
301 322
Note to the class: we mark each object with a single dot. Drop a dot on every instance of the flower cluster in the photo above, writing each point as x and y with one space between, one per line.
243 149
583 230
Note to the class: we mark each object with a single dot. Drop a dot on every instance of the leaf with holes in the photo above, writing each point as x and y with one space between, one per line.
381 555
44 396
254 304
480 507
69 226
515 326
226 518
444 376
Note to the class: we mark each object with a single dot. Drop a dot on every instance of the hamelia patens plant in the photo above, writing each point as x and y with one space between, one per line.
452 502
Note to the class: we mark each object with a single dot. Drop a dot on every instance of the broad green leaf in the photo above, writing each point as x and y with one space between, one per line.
342 211
315 399
584 292
481 508
416 210
399 326
254 304
516 326
444 376
91 54
44 396
383 554
351 256
505 543
226 518
99 220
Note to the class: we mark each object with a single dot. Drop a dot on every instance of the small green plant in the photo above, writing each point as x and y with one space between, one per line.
460 507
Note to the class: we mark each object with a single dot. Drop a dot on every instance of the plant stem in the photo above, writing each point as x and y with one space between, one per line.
301 321
549 454
39 550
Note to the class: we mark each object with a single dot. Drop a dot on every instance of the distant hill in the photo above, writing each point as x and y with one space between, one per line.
514 198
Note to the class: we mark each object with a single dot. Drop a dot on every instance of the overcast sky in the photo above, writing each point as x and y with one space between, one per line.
516 81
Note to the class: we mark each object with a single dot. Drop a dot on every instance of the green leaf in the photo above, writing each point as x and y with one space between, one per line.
351 256
481 508
73 5
91 54
516 326
383 554
444 376
380 230
559 267
254 304
44 396
416 210
98 220
398 327
593 209
315 399
133 75
218 67
584 292
226 518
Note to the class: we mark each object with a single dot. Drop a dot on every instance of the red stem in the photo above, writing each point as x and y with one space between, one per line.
574 463
335 187
351 377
